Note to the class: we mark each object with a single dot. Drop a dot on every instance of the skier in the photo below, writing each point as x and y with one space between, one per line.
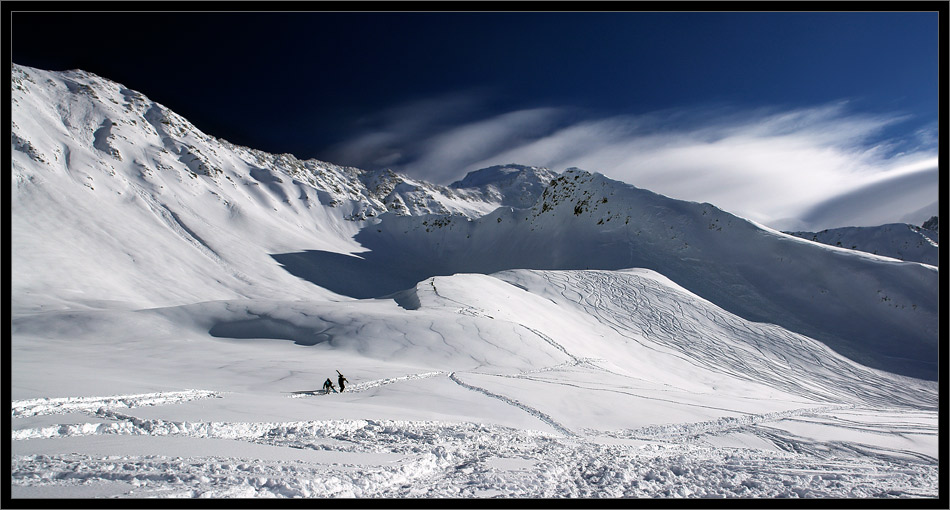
328 385
340 380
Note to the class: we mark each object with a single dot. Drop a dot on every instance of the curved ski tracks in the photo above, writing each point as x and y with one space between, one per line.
641 310
524 407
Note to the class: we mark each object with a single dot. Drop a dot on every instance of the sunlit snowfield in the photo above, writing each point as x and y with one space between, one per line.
179 301
587 384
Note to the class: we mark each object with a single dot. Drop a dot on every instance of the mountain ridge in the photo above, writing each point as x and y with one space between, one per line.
896 240
193 189
176 204
587 221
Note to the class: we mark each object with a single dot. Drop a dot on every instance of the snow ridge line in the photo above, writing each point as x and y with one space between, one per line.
63 405
694 430
530 410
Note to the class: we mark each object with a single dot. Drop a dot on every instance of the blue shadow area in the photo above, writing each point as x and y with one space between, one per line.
266 327
360 277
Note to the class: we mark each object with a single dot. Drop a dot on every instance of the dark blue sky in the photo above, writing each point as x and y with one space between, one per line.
295 82
325 84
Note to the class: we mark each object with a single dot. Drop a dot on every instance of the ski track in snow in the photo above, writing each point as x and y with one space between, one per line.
453 376
524 407
653 320
554 344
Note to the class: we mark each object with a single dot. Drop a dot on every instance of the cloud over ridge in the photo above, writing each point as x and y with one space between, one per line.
779 166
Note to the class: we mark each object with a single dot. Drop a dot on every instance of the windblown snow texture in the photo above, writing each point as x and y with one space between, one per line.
519 333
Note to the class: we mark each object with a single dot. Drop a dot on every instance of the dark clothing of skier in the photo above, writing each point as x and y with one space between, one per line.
328 385
340 380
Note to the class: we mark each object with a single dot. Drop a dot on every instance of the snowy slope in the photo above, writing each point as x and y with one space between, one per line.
136 186
178 302
527 384
898 240
172 199
878 311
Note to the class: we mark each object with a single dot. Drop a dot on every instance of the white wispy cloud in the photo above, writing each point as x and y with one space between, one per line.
904 194
789 168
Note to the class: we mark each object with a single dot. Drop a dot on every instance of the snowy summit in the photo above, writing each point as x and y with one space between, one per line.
179 302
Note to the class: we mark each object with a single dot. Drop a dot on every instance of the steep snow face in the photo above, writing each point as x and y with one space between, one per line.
878 311
898 240
118 198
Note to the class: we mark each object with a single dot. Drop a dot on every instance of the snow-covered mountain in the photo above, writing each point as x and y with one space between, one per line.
856 304
113 161
897 240
516 186
515 333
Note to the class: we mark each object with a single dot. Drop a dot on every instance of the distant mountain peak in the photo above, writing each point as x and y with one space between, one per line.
510 185
896 240
501 174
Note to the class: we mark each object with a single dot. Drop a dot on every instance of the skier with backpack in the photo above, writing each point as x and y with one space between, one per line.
328 385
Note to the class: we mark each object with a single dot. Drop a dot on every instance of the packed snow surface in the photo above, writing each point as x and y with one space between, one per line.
179 301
